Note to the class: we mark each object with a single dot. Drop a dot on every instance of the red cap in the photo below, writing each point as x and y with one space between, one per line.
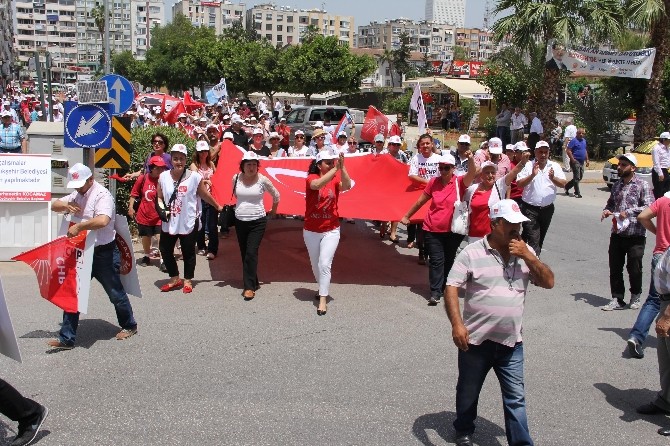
157 161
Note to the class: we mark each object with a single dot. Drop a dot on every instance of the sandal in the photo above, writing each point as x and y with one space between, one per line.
411 245
172 286
395 240
249 294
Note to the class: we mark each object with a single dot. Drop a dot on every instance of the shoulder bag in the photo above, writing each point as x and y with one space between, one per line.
460 221
161 208
227 215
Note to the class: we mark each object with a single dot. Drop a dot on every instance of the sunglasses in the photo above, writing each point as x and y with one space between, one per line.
353 143
320 137
394 144
444 167
158 141
299 137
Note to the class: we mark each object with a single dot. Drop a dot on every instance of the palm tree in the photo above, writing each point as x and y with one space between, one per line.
98 14
651 15
388 56
564 21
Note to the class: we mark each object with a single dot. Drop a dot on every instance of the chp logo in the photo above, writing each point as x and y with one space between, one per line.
126 254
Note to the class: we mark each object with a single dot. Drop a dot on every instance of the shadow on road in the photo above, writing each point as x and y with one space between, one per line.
626 400
487 432
7 434
591 299
88 333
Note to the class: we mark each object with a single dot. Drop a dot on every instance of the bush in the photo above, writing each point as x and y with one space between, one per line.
490 127
468 110
140 143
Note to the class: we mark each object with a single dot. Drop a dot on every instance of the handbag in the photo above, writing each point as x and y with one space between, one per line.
136 203
460 221
161 208
227 215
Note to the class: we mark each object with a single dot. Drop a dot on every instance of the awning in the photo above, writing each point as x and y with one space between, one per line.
466 88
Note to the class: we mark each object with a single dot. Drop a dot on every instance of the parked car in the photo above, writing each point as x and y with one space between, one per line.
304 117
644 164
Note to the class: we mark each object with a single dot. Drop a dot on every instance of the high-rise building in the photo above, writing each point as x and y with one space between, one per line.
451 12
283 25
6 38
217 15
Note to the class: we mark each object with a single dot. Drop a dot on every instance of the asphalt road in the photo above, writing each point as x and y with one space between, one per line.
378 369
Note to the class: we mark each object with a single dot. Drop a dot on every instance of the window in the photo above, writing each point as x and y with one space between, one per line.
289 29
269 37
289 39
388 82
268 16
268 27
314 22
280 28
279 38
259 16
303 19
296 116
280 17
289 19
257 26
141 42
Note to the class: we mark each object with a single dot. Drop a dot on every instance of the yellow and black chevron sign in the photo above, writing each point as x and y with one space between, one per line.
118 157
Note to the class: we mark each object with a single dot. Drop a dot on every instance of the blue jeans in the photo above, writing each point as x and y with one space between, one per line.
507 363
649 310
106 262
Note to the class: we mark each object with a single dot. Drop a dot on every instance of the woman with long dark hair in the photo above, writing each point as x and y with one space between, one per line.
322 221
202 163
159 146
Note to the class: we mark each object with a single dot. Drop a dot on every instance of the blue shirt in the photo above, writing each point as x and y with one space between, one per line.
578 149
11 136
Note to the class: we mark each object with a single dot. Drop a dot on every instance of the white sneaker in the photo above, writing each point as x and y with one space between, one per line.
210 256
613 305
635 302
202 252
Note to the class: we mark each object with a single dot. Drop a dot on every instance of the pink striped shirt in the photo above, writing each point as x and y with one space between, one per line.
494 295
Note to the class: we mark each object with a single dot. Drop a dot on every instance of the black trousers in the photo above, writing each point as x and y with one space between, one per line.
628 251
533 139
249 237
441 247
536 229
15 406
208 224
415 232
166 247
660 187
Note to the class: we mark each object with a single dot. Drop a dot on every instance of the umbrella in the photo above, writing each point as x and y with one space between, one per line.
157 99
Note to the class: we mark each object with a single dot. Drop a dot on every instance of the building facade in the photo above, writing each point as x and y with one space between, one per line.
6 39
451 12
283 25
433 39
213 14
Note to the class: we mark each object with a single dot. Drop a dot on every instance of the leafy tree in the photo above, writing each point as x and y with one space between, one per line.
565 21
401 57
124 64
460 53
322 64
387 58
426 68
239 33
468 110
393 104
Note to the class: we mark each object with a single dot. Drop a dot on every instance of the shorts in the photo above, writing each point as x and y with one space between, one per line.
148 231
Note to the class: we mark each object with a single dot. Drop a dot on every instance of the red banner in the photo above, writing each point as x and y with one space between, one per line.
57 265
381 189
375 122
462 68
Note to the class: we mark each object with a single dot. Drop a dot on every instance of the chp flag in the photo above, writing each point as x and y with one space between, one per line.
217 92
416 104
375 122
63 270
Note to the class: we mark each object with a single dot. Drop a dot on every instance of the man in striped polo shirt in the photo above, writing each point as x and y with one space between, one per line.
494 272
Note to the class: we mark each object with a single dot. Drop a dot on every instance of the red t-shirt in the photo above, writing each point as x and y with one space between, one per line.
439 215
321 205
515 191
146 214
396 130
480 223
661 208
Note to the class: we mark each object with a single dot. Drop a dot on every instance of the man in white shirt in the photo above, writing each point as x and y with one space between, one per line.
503 120
517 123
94 205
569 134
536 130
539 180
660 156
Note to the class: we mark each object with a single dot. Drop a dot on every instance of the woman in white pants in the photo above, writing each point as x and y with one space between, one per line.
322 221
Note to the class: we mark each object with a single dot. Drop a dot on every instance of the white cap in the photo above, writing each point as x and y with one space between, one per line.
250 156
395 139
274 135
181 115
282 119
181 148
488 164
253 118
237 120
342 133
318 124
464 138
495 146
257 131
325 155
226 117
6 103
5 113
201 146
77 176
203 119
447 159
228 135
299 132
630 157
379 137
509 210
511 147
542 144
664 135
521 146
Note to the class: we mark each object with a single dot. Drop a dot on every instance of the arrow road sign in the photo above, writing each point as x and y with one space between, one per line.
88 125
121 93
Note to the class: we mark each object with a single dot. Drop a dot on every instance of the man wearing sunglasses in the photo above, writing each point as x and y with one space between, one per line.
299 148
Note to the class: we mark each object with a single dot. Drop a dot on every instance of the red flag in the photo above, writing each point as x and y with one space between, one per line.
177 109
342 125
190 104
59 266
163 105
375 122
381 188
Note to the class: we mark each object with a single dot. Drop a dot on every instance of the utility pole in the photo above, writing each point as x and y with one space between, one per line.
40 84
107 49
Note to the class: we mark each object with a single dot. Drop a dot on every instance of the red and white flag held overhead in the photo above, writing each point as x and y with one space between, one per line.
375 123
63 269
416 104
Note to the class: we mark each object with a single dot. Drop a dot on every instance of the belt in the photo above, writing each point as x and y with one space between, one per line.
536 207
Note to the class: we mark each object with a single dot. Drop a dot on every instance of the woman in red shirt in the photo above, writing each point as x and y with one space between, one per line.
441 243
322 222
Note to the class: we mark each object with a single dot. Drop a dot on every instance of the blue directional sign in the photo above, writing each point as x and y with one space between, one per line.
87 126
121 93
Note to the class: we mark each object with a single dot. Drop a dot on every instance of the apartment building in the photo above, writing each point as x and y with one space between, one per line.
144 15
446 11
383 76
283 25
478 44
213 14
433 39
6 38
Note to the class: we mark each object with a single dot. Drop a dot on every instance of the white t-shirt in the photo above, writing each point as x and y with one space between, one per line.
185 209
96 201
541 191
424 167
570 132
303 151
249 204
